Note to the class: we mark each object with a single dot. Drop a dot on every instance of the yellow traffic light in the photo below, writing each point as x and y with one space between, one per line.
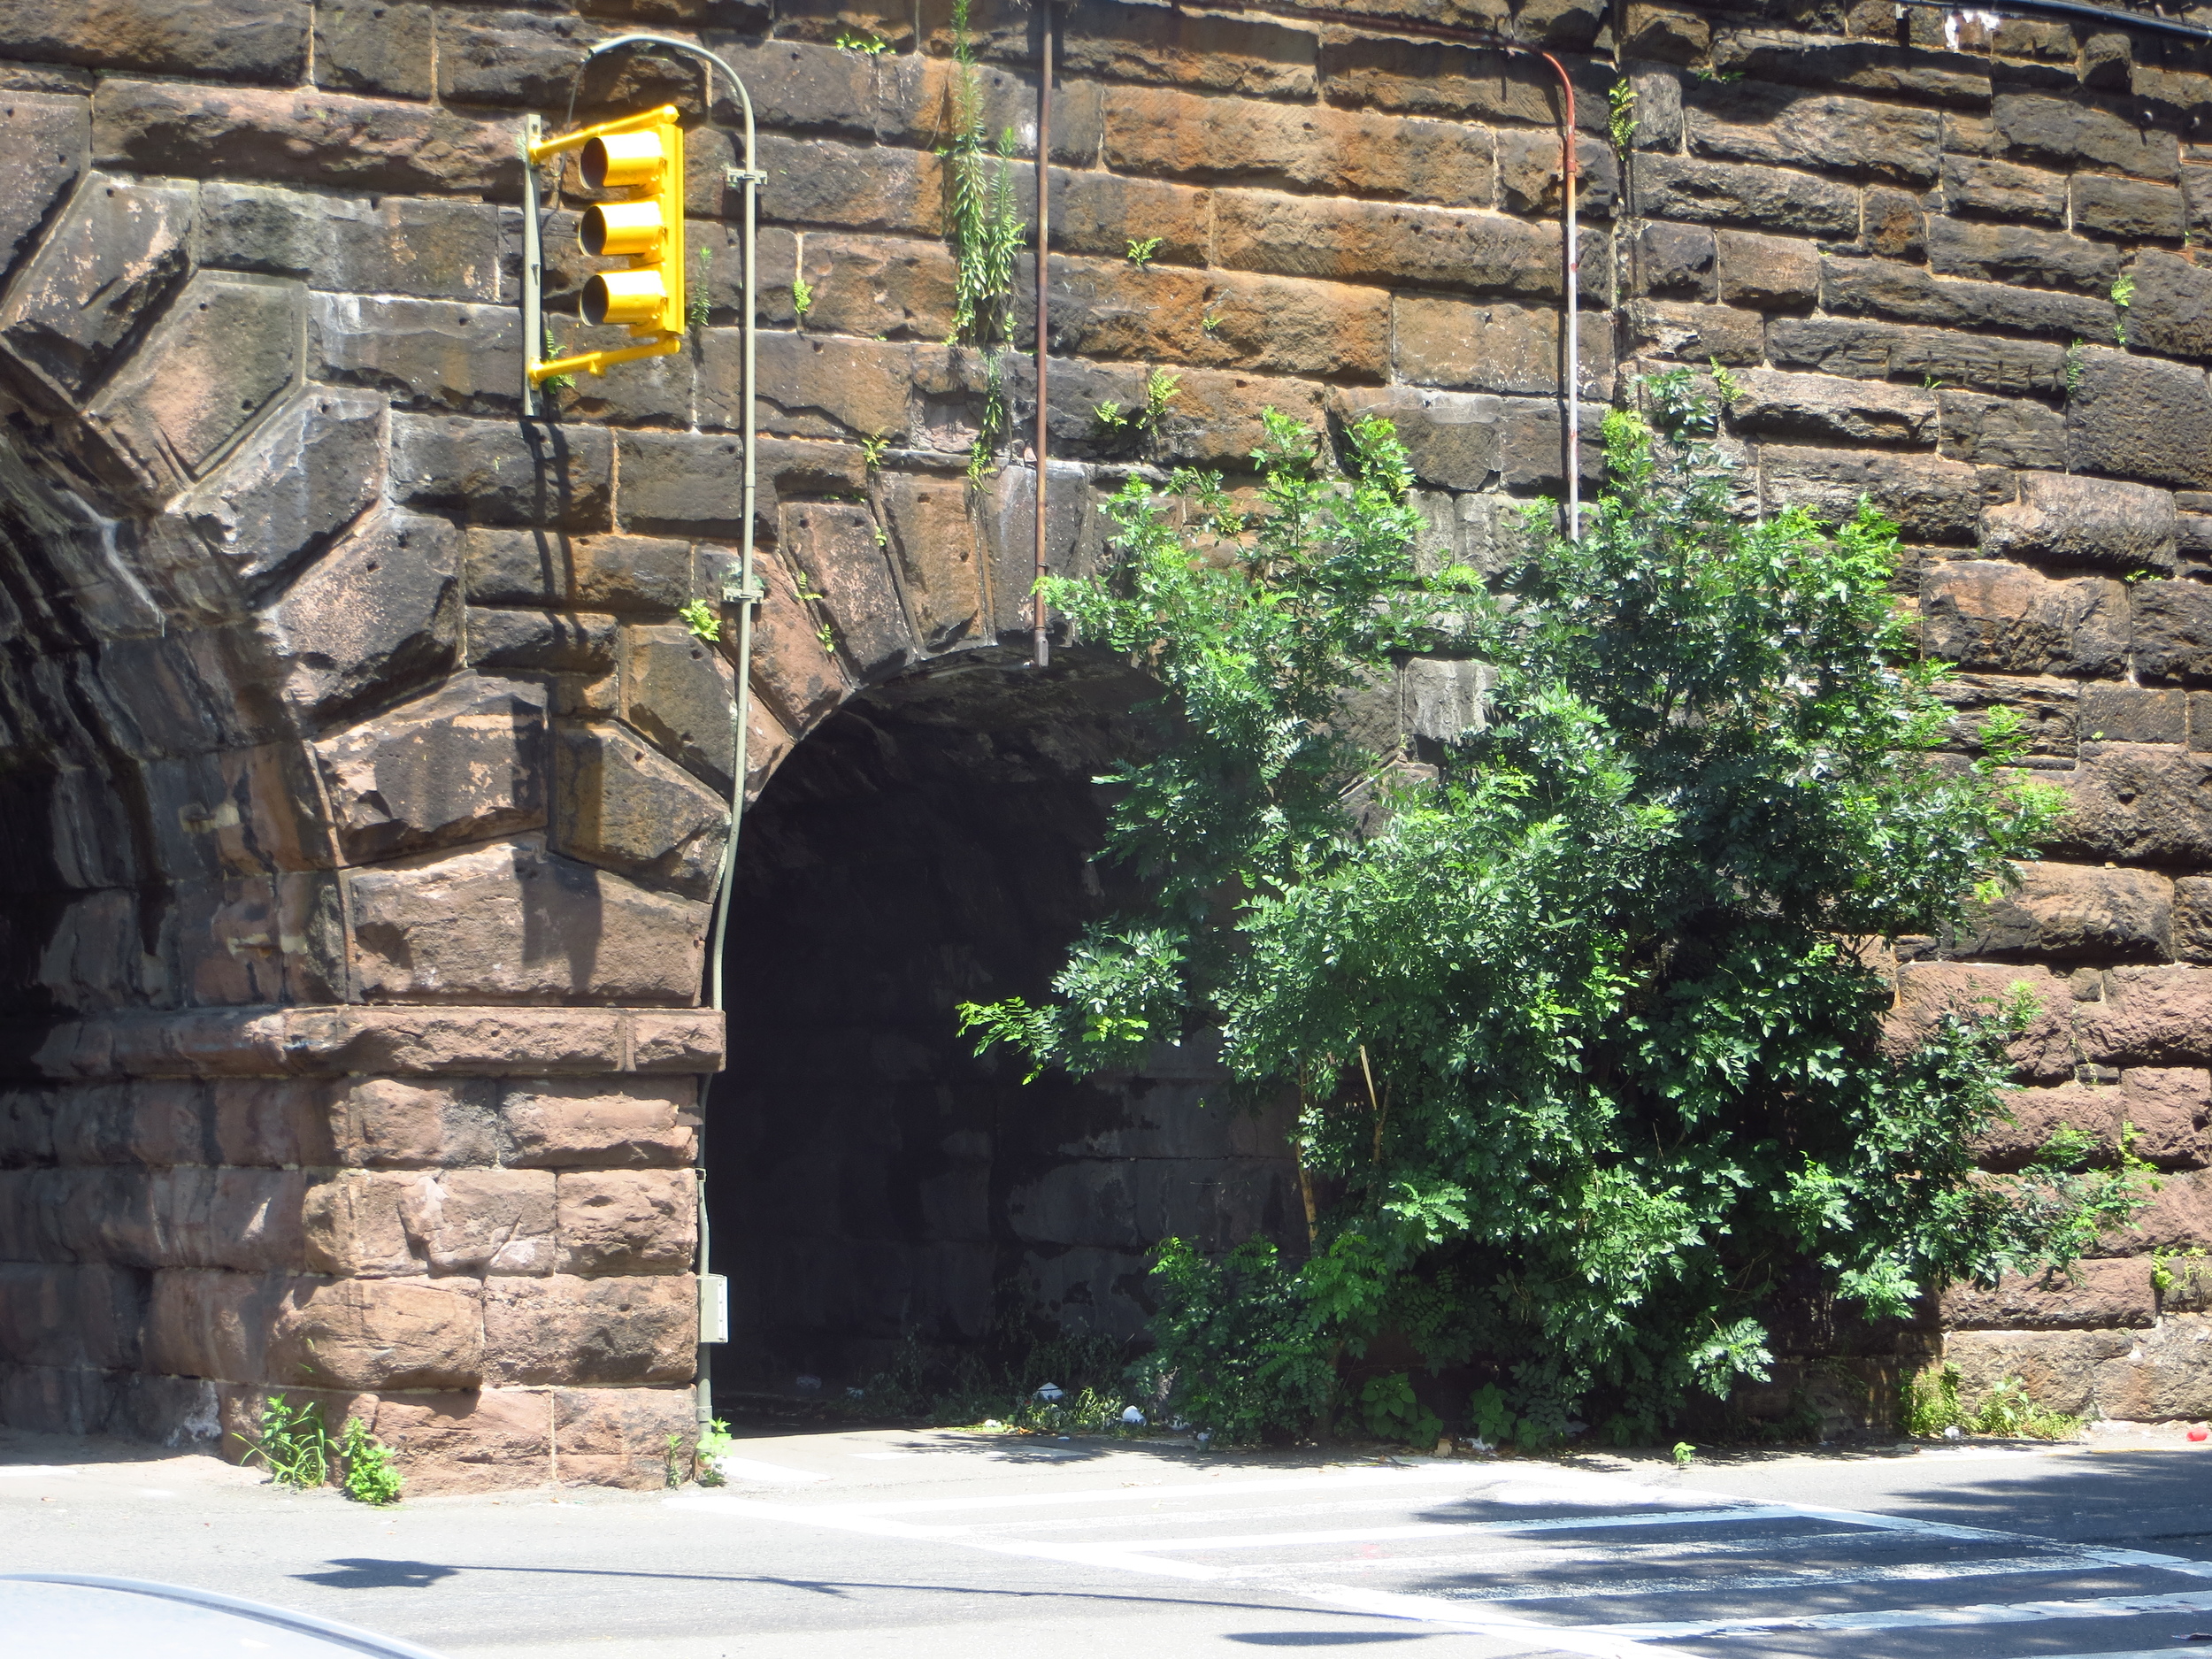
643 155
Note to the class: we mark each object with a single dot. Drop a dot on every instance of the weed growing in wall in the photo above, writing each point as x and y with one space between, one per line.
986 233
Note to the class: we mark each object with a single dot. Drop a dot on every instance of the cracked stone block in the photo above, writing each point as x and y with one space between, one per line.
483 1221
379 613
618 804
463 764
628 1221
118 249
226 350
305 476
45 140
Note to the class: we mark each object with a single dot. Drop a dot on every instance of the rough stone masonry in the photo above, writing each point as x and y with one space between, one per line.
363 790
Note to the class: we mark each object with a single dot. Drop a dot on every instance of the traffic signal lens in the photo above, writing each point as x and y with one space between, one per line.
635 297
622 161
622 227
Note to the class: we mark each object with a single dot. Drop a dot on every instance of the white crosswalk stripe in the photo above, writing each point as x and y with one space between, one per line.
1448 1545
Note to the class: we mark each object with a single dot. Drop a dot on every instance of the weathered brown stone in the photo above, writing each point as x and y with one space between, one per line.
1722 193
1453 440
180 129
1818 406
118 252
48 138
1253 55
229 39
480 1440
1997 617
482 1221
1907 292
2047 709
2131 714
1215 419
618 805
380 1333
466 764
2065 521
377 616
619 1437
1928 990
1974 184
1928 498
2193 918
1697 333
2001 431
395 245
677 691
2138 418
564 1329
837 547
1354 241
2173 631
2177 1217
1785 129
627 1221
1674 262
1767 272
499 473
2096 1295
512 921
811 387
1528 174
933 541
376 47
880 287
353 1227
391 1123
2153 1016
2066 913
2172 311
550 1123
1893 352
214 1324
1478 346
2016 253
1101 213
2071 130
2141 803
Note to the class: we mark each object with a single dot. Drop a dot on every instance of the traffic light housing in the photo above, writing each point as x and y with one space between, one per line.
642 155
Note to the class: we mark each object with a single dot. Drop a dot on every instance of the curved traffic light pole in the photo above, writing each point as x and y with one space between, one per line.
613 153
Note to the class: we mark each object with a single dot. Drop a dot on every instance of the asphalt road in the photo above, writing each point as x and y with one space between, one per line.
954 1546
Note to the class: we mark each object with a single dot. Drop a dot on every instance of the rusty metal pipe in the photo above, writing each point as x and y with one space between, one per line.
1040 647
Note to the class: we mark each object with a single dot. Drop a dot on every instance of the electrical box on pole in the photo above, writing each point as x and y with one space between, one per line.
641 155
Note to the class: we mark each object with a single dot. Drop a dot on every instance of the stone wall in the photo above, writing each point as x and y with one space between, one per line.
358 774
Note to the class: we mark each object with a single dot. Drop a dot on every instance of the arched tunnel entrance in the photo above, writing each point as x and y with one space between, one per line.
870 1181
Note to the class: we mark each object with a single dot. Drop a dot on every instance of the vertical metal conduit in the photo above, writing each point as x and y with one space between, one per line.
1040 648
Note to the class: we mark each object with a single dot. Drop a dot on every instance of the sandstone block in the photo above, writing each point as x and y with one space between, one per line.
1210 51
1314 148
1928 990
2069 130
498 473
230 40
303 479
619 805
466 764
1767 272
1696 334
2095 1296
424 354
1426 79
1779 128
48 139
811 387
2066 521
1891 351
2001 431
1929 499
226 349
2067 913
2139 803
478 1440
793 671
216 1324
2048 707
1816 406
353 1227
2149 1016
2173 631
934 545
1675 262
393 245
2033 1116
564 1329
1075 534
555 1123
619 1437
2173 308
183 129
1528 174
377 615
2016 253
561 641
1888 287
90 1316
482 1221
813 182
2139 418
1806 59
628 1221
877 286
2003 189
1479 346
381 1333
2179 1217
836 545
2162 1109
398 1123
1721 192
1453 440
2193 918
2131 714
1355 242
683 483
1215 418
677 691
1264 325
2168 1108
2129 210
116 252
1998 617
2061 1369
375 47
1667 34
509 57
513 922
532 569
1099 212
